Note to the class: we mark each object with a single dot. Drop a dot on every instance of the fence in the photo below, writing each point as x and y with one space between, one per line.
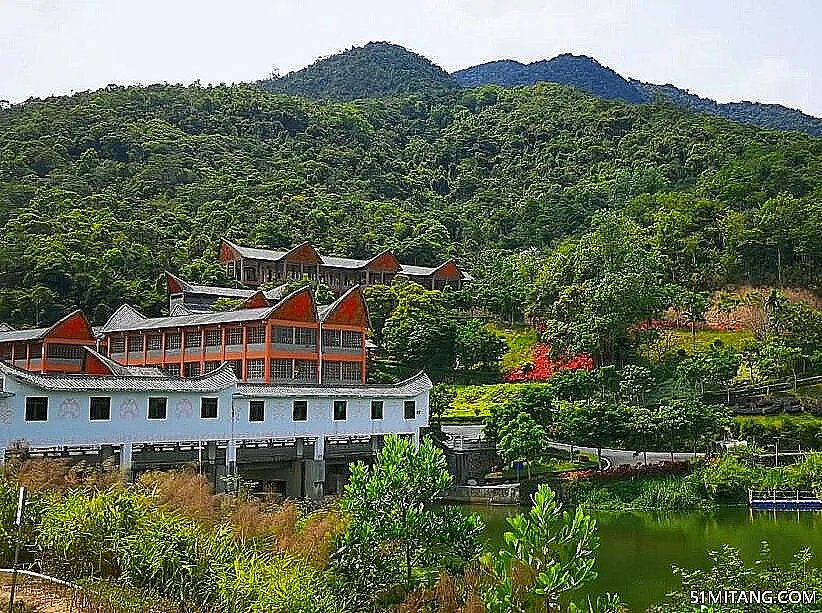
41 592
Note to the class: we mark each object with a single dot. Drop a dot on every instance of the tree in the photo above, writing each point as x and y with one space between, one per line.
591 424
521 439
381 301
548 555
691 306
478 345
420 332
397 535
635 383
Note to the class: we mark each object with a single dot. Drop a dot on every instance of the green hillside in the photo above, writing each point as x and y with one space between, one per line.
376 69
100 191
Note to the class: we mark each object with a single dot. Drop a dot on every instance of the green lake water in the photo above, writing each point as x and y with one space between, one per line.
638 549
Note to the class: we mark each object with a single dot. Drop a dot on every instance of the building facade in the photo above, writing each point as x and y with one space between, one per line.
289 341
283 434
252 267
60 348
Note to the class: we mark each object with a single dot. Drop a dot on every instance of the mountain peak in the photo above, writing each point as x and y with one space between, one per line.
376 69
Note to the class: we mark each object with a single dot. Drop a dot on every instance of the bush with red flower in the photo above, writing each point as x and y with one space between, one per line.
542 366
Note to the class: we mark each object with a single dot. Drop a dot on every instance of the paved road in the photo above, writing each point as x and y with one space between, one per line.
613 457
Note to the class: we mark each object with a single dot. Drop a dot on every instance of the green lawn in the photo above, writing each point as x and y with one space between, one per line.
521 342
476 401
704 338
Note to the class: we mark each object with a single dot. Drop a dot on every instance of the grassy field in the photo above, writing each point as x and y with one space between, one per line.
704 338
476 401
521 342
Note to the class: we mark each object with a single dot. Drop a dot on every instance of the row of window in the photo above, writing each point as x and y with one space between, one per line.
37 408
53 351
100 409
193 339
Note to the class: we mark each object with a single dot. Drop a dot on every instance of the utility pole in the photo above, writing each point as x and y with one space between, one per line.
21 503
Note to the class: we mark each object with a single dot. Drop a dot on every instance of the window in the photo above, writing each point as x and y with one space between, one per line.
173 369
214 338
282 336
376 409
237 367
234 336
117 344
230 270
37 408
256 335
351 371
193 338
256 410
410 407
157 408
250 274
255 369
99 408
305 370
208 408
331 371
299 411
172 341
64 352
340 407
135 343
281 369
352 340
212 365
331 338
192 369
5 352
155 342
305 336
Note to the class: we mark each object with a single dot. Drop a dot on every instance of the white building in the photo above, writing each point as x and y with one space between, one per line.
151 419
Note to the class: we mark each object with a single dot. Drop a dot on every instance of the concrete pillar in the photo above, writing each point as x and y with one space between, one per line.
416 437
314 478
211 462
319 448
294 483
125 461
231 459
2 458
299 449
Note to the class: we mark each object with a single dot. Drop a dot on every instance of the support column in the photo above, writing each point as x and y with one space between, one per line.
416 437
126 462
211 463
231 459
314 471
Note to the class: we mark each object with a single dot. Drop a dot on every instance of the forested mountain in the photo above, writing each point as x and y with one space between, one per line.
578 70
377 69
773 116
101 191
591 76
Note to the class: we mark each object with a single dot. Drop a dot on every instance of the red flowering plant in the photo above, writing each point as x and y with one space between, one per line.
542 366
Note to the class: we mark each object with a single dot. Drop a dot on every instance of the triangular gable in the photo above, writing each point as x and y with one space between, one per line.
126 314
257 301
449 270
228 251
95 365
4 327
297 306
386 261
176 285
74 326
349 309
304 253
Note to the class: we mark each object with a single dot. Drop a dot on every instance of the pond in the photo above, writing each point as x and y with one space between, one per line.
638 549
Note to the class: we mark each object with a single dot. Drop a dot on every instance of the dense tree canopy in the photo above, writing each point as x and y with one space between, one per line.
101 191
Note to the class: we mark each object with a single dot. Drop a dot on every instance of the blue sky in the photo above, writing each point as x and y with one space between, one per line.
724 49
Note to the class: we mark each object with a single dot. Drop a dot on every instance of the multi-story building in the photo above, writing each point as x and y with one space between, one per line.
297 438
269 341
252 267
60 348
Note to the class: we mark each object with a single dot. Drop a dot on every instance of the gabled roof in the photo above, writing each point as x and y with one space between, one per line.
120 323
34 334
180 309
4 327
220 292
354 300
215 381
256 254
115 368
125 315
412 386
